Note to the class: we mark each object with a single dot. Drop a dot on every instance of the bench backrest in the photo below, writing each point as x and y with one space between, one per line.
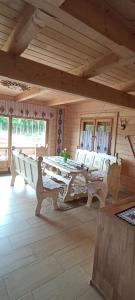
41 151
112 178
94 159
27 167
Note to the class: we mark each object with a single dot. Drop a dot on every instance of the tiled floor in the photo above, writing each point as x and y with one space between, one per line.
48 258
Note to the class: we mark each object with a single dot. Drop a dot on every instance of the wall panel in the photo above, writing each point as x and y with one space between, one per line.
73 115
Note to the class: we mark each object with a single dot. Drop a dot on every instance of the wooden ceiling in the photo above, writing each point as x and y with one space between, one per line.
91 40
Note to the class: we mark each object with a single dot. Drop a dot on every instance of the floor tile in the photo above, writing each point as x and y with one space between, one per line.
25 279
66 286
46 258
91 294
3 291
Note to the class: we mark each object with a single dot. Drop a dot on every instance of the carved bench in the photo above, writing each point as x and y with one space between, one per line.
109 185
95 160
41 151
31 171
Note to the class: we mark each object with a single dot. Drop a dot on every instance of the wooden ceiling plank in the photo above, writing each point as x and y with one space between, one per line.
48 57
17 5
129 87
70 41
100 21
3 36
98 66
7 11
56 2
75 35
45 62
103 65
13 44
31 21
5 29
121 63
57 51
25 70
82 28
60 44
114 76
7 21
120 75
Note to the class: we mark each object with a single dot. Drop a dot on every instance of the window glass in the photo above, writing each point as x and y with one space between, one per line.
28 132
95 135
86 137
3 138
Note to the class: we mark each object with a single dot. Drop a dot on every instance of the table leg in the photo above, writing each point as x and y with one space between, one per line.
69 188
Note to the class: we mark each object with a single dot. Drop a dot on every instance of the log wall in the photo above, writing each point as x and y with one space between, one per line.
73 115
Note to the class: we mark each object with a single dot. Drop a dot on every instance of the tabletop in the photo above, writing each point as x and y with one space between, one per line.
58 162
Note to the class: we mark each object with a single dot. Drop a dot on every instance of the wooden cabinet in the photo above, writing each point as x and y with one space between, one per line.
114 260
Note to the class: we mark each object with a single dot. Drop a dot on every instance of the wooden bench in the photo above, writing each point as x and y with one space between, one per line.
31 171
96 160
109 185
41 151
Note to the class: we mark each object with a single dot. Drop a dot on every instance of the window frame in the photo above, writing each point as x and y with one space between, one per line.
103 117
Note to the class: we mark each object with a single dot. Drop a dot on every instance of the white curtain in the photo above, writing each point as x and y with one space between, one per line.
102 141
86 141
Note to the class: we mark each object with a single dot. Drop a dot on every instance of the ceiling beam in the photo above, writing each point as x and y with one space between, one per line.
128 87
63 101
25 70
98 66
60 102
103 64
29 94
52 8
102 22
31 21
55 2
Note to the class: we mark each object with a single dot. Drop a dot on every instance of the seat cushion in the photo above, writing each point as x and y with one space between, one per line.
48 183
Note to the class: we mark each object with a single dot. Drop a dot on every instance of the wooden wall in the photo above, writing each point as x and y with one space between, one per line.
73 114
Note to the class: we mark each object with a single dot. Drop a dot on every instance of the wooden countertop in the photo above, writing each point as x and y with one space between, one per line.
118 207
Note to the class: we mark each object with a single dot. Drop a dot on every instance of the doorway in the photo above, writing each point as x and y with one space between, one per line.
24 134
4 143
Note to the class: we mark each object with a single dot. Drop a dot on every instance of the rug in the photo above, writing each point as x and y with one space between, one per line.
128 215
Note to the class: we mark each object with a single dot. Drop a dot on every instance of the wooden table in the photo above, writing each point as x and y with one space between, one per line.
114 260
67 173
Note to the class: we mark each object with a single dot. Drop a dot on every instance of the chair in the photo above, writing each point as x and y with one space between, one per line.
109 185
41 151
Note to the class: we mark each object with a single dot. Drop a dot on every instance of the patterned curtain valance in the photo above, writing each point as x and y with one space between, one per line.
24 110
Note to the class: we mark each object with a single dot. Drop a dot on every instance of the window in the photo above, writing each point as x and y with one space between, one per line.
86 136
28 133
96 135
3 138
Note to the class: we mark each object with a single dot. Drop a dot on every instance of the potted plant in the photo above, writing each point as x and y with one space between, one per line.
65 154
